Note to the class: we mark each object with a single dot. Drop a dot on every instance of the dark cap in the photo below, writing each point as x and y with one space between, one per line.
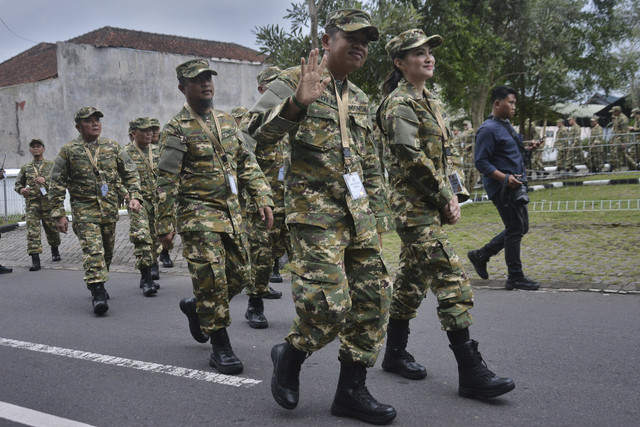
140 123
351 20
410 39
86 112
35 141
193 68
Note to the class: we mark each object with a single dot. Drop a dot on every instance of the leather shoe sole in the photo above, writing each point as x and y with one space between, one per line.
187 306
344 411
524 284
236 368
486 394
100 307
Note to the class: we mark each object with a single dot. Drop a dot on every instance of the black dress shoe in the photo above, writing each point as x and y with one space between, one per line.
188 307
273 294
523 283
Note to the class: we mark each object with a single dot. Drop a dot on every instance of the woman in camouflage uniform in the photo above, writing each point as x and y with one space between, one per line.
426 188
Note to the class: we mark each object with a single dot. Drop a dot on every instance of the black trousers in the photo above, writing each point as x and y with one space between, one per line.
515 218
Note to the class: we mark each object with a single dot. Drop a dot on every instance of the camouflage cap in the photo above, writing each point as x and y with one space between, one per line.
571 118
35 141
193 68
594 119
466 122
560 120
635 111
238 112
85 112
268 75
616 108
155 123
140 123
350 20
410 39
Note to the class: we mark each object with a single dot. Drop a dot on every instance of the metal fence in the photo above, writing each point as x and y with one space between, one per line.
585 205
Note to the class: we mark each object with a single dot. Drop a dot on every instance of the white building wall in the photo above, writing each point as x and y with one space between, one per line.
122 83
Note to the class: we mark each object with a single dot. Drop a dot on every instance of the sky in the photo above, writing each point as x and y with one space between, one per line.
31 22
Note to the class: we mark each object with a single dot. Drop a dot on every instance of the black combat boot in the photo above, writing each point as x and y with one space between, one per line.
35 262
55 255
285 381
155 272
148 285
275 274
396 358
255 313
188 307
165 258
5 270
475 379
99 295
352 398
222 356
273 294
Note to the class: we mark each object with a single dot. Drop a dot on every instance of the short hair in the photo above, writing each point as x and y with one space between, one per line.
501 92
332 31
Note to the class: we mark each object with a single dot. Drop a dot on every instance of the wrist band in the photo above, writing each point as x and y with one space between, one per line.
299 104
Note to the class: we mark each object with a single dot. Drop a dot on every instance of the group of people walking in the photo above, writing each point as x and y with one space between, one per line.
299 173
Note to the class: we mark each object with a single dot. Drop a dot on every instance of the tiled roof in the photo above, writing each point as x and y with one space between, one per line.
40 62
32 65
118 37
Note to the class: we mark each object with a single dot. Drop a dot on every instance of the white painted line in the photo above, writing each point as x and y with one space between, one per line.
33 418
176 371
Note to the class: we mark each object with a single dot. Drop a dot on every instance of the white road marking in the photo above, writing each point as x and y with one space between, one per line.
176 371
33 418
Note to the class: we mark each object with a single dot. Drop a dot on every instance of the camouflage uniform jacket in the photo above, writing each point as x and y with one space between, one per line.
620 129
424 155
147 176
191 174
27 177
563 136
315 189
596 135
73 171
271 158
574 134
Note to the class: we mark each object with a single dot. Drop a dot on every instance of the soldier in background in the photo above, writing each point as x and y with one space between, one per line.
335 206
203 163
634 127
618 155
142 223
531 134
91 168
165 258
564 161
595 157
3 269
32 183
267 246
281 246
467 145
575 143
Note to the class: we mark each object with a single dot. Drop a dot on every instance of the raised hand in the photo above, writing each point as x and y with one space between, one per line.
311 84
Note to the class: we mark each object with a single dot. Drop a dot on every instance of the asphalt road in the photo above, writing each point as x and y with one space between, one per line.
573 355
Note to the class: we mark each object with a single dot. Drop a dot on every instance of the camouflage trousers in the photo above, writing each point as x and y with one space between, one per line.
97 242
619 157
219 268
427 261
33 215
142 234
266 246
564 160
340 287
536 160
595 159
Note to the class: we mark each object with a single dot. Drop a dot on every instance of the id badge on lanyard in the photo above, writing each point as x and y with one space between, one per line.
354 184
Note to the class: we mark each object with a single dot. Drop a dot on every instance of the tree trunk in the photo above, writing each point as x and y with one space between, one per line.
313 19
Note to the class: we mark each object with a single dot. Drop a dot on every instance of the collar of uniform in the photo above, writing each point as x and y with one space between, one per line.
412 90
